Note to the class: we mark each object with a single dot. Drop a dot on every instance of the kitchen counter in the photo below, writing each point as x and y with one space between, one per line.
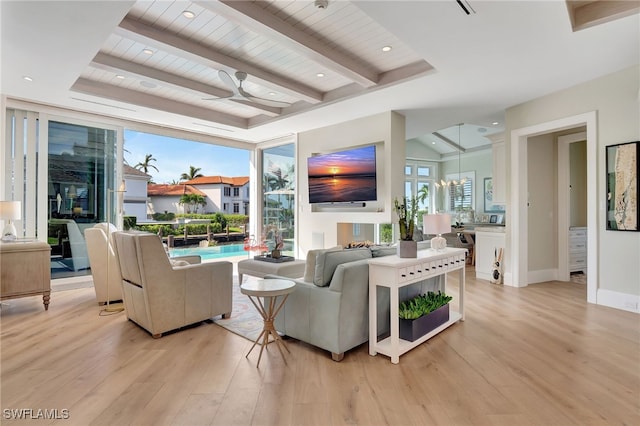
485 228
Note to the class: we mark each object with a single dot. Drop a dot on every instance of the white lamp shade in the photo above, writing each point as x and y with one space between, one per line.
10 210
436 224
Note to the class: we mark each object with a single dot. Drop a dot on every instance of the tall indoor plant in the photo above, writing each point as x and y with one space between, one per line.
406 209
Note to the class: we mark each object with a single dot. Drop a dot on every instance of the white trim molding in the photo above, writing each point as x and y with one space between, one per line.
617 300
519 201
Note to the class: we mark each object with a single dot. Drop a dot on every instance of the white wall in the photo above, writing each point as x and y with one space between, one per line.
543 207
386 129
615 98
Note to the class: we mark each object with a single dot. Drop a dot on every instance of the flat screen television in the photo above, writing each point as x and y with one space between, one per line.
343 177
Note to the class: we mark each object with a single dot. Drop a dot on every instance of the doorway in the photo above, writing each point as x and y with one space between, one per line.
518 241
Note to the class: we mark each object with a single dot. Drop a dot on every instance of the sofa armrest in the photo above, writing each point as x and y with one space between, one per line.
193 259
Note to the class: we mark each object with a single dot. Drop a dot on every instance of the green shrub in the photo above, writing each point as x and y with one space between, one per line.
129 222
422 305
166 216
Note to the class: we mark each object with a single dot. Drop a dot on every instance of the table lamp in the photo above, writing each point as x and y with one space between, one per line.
10 210
437 224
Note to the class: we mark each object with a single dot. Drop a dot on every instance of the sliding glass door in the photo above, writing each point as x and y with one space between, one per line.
82 169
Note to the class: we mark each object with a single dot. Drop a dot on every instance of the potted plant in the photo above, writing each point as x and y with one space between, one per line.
422 314
406 209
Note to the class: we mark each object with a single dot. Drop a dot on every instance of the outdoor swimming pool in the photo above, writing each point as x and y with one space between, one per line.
208 253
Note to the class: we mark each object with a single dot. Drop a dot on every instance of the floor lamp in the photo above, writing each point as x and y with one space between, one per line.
109 307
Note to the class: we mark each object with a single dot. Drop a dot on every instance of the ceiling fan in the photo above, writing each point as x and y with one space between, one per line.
240 94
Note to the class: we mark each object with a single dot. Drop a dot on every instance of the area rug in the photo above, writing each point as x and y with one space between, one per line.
245 320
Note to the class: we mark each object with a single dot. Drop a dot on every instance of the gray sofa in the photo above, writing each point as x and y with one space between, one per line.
330 305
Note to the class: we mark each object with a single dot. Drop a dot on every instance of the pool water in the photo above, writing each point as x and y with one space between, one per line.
207 253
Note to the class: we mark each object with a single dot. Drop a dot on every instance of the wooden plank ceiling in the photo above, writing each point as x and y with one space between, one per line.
159 58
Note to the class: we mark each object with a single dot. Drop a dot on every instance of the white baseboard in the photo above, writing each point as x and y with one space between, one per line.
617 300
542 276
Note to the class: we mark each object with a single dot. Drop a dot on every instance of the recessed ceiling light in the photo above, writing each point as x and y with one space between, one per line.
188 14
433 142
320 74
272 93
387 49
27 78
148 51
495 123
121 77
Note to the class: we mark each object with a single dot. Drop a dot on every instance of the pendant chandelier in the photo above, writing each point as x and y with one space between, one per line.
460 181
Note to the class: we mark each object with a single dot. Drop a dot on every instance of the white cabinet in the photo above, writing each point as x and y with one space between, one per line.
488 241
578 249
395 272
499 168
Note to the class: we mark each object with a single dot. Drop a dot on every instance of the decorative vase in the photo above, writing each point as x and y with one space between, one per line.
275 253
414 329
407 249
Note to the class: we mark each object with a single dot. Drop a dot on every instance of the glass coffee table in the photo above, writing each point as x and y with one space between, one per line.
270 291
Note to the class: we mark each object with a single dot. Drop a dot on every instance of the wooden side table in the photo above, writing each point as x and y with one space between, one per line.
25 270
268 289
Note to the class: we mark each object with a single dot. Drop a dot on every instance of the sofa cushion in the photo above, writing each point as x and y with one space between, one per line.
310 266
327 262
383 251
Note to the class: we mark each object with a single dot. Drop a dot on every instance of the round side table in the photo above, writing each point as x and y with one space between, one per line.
269 290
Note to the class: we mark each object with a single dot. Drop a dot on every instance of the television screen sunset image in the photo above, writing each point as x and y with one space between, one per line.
345 176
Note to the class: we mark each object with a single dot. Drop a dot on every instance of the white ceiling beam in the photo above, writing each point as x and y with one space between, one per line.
449 142
108 91
173 44
255 18
113 64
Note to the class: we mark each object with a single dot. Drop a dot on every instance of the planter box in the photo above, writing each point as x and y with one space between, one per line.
412 330
407 249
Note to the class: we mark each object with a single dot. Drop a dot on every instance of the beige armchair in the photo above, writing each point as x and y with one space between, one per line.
160 296
107 280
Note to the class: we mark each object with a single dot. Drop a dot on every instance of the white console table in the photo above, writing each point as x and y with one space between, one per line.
395 272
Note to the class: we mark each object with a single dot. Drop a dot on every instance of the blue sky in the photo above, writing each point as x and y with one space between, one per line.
174 156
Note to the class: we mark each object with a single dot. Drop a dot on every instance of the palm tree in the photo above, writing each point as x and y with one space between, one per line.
194 172
146 164
192 201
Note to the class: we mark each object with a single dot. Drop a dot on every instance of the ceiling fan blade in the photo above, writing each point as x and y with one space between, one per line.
226 79
263 101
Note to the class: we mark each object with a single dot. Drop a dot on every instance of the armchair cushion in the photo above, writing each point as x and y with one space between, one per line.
161 297
327 262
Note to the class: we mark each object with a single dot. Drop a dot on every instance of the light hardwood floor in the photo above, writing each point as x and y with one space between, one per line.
533 356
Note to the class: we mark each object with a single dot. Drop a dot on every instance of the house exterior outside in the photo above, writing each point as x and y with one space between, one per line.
166 198
222 194
135 196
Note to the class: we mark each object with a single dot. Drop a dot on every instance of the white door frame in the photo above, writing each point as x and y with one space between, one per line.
519 197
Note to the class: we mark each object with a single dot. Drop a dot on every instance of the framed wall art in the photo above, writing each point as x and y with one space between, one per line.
488 197
622 187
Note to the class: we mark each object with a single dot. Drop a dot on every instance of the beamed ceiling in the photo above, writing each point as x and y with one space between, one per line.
145 61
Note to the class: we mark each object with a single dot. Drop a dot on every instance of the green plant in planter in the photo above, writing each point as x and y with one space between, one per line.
406 211
422 305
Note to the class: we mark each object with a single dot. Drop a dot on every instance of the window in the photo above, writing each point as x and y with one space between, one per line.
236 192
227 191
225 207
278 188
419 181
460 197
236 208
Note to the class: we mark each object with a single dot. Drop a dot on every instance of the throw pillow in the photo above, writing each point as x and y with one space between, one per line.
383 251
326 263
310 266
